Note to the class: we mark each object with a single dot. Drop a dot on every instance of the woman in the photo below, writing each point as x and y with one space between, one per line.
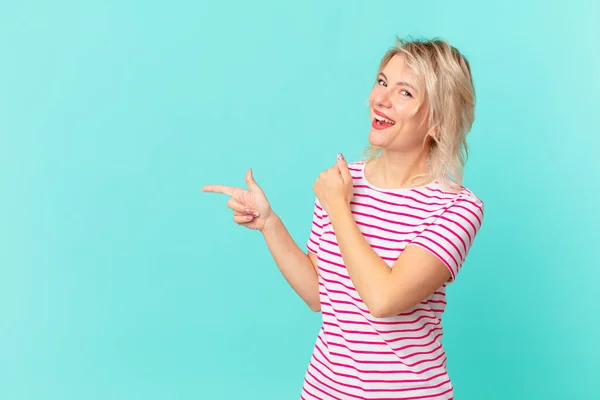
389 233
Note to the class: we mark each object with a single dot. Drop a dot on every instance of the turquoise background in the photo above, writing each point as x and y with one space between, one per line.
122 280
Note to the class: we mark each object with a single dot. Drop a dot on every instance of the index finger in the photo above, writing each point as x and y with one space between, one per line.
228 190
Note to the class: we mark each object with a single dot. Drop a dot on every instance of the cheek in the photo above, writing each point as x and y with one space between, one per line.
401 109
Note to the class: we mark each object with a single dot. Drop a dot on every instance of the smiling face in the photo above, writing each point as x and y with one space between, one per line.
398 123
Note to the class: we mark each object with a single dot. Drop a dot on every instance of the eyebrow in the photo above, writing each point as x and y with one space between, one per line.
402 83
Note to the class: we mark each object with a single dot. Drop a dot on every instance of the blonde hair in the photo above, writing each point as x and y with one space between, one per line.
450 93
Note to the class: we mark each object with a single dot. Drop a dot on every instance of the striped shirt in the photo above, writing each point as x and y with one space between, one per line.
358 356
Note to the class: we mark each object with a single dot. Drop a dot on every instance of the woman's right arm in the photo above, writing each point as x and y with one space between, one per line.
251 209
297 267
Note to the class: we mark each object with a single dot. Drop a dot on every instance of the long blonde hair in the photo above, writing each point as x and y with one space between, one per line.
449 89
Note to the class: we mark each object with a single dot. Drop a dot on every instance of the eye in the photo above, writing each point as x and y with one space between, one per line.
381 82
407 93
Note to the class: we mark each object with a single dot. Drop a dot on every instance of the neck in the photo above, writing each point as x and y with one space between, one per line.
399 170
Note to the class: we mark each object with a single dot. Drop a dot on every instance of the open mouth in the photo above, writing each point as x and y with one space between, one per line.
381 122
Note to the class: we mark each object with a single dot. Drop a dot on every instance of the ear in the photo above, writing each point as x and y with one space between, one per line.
434 134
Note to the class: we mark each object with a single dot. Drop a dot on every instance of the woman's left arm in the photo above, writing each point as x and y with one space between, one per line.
430 260
386 292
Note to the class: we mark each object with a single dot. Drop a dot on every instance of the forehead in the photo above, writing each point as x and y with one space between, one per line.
397 69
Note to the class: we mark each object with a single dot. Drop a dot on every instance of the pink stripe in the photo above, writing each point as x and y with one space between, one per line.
389 221
366 311
404 356
420 238
349 330
350 288
441 191
408 346
373 372
387 239
401 338
334 373
410 330
434 197
415 225
374 390
420 353
354 341
333 263
385 229
465 217
381 332
398 249
382 362
365 205
331 387
323 269
333 253
343 293
403 196
392 222
368 196
330 343
393 381
380 322
477 206
320 390
453 232
437 301
329 333
428 397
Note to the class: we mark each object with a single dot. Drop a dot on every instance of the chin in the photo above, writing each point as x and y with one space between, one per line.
380 138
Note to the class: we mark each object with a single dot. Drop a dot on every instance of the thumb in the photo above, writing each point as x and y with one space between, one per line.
343 167
252 185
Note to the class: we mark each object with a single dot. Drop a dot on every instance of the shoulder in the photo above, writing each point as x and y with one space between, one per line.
467 196
468 204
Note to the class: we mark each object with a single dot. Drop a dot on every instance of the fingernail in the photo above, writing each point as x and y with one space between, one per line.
340 156
247 211
256 214
250 217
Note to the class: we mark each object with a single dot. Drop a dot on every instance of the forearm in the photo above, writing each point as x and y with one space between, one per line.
368 272
293 263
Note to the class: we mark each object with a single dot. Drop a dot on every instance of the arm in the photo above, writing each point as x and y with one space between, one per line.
297 267
432 258
252 210
416 274
386 292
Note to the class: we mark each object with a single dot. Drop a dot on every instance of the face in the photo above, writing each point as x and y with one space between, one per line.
397 123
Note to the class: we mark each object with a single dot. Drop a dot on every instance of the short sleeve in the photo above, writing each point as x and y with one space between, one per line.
312 244
451 235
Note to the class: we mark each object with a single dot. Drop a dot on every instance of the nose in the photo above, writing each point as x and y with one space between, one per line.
382 98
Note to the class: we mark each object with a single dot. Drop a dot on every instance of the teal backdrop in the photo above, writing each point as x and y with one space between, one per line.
121 279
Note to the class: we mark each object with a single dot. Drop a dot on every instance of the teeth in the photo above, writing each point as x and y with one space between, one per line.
381 119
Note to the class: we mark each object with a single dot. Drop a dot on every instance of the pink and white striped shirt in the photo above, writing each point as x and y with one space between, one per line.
358 356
